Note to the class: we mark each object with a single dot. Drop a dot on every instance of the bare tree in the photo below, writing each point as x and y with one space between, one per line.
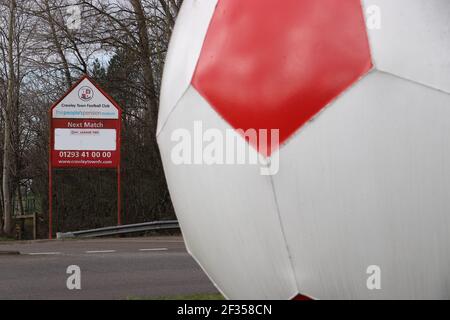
122 45
57 43
8 156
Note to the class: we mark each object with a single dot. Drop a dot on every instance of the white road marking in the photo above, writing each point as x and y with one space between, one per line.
154 249
101 251
94 251
43 253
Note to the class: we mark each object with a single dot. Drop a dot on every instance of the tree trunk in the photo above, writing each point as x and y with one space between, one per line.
8 152
1 213
58 46
169 17
20 199
149 83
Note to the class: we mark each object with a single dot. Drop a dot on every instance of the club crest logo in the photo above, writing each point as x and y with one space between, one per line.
85 93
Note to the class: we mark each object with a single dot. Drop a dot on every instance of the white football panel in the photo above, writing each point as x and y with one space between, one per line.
367 183
183 53
413 41
227 213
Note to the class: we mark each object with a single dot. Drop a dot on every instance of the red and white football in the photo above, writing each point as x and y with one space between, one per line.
354 99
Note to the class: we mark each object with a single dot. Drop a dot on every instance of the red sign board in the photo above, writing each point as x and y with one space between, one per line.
85 128
100 150
84 133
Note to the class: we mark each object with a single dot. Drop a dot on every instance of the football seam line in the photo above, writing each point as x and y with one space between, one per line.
414 81
193 72
171 111
283 233
330 104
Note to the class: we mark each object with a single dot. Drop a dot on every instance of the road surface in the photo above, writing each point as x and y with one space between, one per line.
110 269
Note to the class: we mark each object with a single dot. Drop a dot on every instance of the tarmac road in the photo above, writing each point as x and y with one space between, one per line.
110 269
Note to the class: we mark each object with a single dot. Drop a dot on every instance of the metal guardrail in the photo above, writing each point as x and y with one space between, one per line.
111 231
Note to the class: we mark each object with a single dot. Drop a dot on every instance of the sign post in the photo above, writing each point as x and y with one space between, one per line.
85 126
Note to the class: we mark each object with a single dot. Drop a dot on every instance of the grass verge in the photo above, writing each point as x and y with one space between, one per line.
6 239
199 296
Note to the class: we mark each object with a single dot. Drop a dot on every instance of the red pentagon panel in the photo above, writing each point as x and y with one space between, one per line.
301 297
270 64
